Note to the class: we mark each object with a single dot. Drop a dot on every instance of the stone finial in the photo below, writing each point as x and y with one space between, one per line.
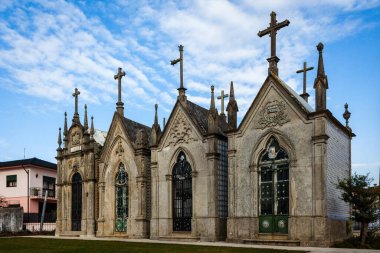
92 129
320 83
346 115
163 123
59 139
232 109
156 130
212 114
85 121
65 131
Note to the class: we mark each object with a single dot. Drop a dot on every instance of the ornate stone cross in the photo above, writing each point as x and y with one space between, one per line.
119 104
118 76
304 95
222 97
76 94
181 88
272 31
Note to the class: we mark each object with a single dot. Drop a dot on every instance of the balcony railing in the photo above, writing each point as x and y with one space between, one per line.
39 193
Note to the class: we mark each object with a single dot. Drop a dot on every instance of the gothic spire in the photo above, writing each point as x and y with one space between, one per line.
181 89
85 123
65 133
212 114
156 130
59 140
119 104
155 114
320 83
92 129
232 109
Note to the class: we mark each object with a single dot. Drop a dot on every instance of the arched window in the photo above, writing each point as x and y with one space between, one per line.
182 194
274 189
121 197
76 202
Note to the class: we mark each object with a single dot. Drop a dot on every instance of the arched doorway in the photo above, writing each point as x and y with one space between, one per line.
121 199
182 194
76 202
274 189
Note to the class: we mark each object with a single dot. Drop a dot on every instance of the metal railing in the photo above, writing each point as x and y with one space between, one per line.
38 192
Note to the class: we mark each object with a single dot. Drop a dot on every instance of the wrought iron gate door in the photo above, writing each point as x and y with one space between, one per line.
76 203
274 190
182 194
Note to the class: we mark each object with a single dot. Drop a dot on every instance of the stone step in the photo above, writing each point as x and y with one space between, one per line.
182 238
272 242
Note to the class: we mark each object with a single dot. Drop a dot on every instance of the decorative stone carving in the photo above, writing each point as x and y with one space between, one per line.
75 138
142 139
181 131
119 150
273 114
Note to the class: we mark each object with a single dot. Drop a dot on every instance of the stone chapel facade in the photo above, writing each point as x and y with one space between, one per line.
204 177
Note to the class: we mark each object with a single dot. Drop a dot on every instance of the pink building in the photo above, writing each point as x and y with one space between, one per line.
24 183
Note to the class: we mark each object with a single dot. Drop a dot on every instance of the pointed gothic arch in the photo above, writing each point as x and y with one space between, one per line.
76 202
182 194
121 199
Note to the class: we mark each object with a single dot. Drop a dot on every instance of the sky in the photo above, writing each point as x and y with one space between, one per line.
48 48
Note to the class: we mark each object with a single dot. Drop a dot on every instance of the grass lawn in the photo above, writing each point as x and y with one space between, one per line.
41 245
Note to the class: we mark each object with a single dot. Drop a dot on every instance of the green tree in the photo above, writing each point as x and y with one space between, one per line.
364 199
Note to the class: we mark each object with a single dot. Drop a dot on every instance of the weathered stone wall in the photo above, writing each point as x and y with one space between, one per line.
11 219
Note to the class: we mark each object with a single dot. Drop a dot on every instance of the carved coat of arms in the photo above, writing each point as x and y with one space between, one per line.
273 114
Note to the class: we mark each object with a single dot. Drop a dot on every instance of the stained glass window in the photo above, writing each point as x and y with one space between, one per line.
121 196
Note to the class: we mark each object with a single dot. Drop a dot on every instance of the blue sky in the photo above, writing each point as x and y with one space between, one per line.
47 48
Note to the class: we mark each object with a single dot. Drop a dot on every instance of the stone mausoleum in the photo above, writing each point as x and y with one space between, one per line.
201 176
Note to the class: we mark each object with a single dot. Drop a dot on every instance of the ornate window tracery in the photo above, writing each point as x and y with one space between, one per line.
121 199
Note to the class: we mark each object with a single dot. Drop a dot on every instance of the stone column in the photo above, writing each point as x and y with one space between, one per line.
319 142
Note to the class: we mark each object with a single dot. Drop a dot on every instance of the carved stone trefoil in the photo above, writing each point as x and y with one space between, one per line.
273 114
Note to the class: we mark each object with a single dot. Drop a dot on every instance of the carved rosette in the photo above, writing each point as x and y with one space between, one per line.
273 114
181 131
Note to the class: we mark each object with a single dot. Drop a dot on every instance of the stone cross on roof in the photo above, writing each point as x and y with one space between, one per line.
272 31
76 94
304 95
222 97
181 89
119 104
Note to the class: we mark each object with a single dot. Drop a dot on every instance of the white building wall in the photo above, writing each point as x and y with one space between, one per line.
338 167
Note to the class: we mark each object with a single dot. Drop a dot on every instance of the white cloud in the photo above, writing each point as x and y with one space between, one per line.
49 47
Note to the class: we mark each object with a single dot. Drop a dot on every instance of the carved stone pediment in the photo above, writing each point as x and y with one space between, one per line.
273 113
181 131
